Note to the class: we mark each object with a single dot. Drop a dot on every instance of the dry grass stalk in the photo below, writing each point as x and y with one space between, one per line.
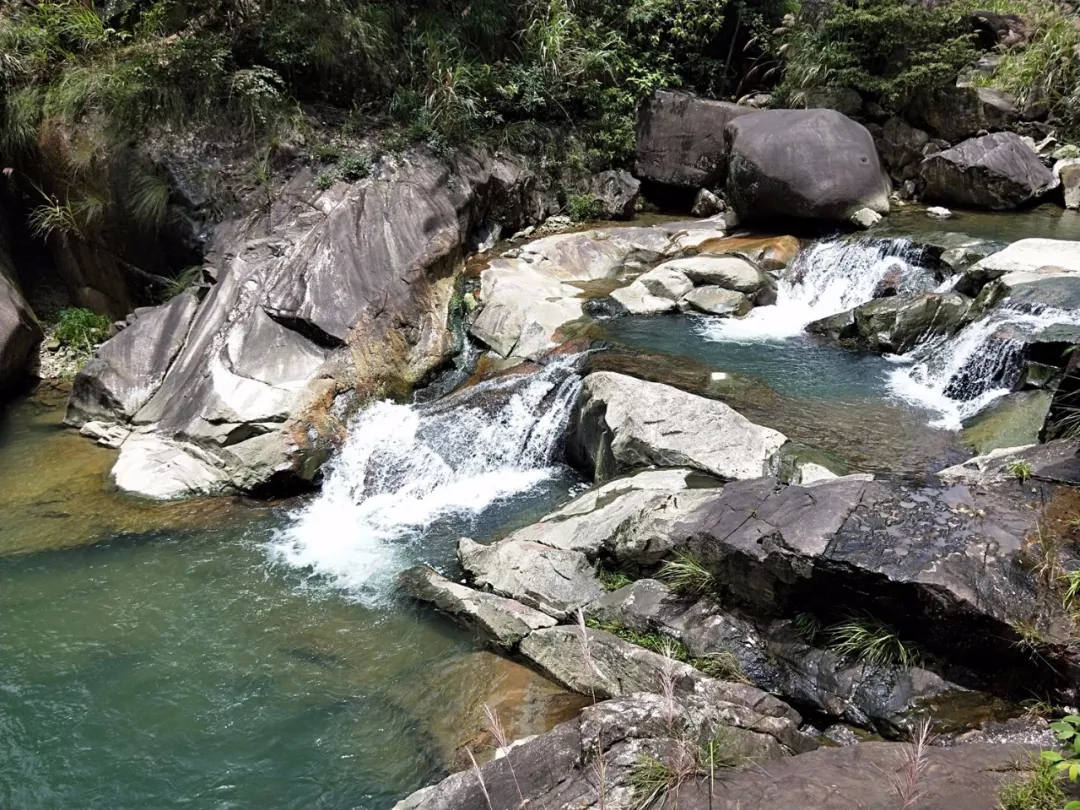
905 782
499 733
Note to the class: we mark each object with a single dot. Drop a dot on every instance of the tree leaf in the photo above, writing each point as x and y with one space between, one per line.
1051 756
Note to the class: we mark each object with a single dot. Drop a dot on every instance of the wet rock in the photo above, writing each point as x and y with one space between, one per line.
502 621
1053 461
107 434
706 204
770 254
806 164
130 367
716 301
937 212
995 171
1068 172
1034 271
621 423
680 139
155 467
954 113
898 323
1013 421
554 581
628 519
614 194
865 218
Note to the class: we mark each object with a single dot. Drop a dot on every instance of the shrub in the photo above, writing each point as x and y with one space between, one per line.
581 207
323 180
354 167
81 329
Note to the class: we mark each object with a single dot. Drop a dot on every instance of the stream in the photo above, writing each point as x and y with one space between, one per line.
223 654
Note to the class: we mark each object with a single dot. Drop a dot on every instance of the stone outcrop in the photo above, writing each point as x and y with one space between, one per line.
730 272
342 290
996 171
680 139
622 423
20 333
557 770
1042 272
901 148
898 323
614 193
805 164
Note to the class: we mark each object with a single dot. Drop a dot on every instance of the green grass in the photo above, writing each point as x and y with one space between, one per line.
807 626
610 580
1039 790
1020 470
81 329
721 665
184 279
324 180
355 166
686 575
649 780
867 640
654 642
582 207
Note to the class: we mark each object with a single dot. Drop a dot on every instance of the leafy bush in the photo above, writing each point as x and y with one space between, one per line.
885 49
81 329
354 167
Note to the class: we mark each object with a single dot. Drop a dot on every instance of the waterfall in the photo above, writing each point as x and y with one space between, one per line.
958 376
830 277
404 466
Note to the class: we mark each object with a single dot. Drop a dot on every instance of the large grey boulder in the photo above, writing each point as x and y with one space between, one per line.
680 139
325 300
129 368
1038 272
713 300
997 171
614 194
955 113
806 164
730 272
20 333
502 621
622 423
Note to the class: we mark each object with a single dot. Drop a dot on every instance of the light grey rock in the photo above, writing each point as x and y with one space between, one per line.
622 423
865 218
1068 173
938 212
629 519
154 467
716 301
523 308
502 621
730 272
637 300
806 164
552 580
614 194
995 171
641 606
666 281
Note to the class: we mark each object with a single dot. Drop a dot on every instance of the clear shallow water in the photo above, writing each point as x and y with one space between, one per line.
182 667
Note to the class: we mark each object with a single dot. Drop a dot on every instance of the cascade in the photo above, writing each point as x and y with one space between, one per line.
958 376
404 467
830 277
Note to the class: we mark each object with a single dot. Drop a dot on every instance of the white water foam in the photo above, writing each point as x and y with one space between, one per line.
830 277
961 375
404 466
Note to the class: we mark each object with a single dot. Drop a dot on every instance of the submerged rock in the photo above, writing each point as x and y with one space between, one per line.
622 423
995 171
806 164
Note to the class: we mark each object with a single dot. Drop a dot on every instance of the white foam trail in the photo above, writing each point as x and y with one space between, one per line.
404 466
829 277
962 375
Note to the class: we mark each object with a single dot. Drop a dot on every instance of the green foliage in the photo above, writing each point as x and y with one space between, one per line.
654 642
81 329
1067 760
582 207
649 780
720 752
612 580
355 166
885 49
1041 790
721 665
326 151
149 200
686 575
1020 470
323 180
869 641
808 626
186 277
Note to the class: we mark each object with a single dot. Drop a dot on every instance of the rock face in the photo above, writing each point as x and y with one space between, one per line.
901 146
555 770
896 324
995 171
328 291
680 139
955 113
622 423
614 194
1068 172
20 333
806 164
1033 271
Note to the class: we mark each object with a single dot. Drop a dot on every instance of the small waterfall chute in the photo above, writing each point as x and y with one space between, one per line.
829 277
403 467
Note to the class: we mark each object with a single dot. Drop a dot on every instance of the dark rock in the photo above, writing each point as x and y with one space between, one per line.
680 139
806 164
954 113
706 204
995 171
614 194
896 324
842 99
901 147
20 333
993 29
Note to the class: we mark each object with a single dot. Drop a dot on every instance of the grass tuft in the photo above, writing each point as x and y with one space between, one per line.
869 641
81 329
686 575
610 580
1039 790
